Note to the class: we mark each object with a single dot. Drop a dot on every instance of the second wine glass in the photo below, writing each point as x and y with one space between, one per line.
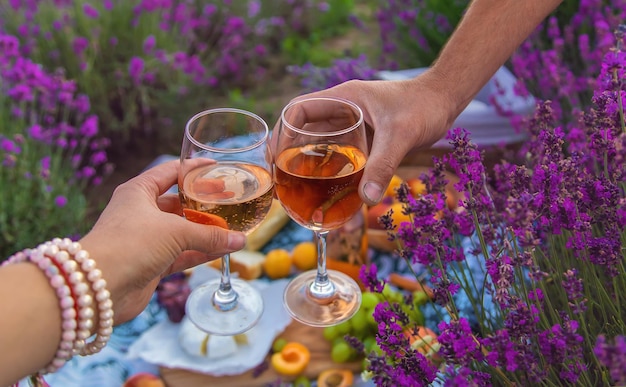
321 150
225 180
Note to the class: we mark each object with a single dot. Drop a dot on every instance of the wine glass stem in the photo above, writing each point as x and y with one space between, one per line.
225 297
322 287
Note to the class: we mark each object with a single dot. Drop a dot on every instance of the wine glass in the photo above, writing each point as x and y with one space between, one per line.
321 150
225 179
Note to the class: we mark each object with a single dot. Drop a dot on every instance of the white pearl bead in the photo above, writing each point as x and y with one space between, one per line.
81 255
86 324
107 314
51 250
84 300
69 265
69 324
94 275
99 284
73 248
82 334
67 302
86 313
63 291
88 265
62 256
108 304
81 288
76 277
69 313
103 295
69 335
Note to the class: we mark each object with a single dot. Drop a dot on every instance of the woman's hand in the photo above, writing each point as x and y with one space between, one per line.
141 237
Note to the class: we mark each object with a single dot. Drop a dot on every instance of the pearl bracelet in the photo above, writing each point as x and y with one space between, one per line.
72 274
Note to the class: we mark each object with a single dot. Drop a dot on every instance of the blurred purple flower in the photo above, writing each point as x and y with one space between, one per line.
89 128
149 44
135 69
80 44
9 146
90 11
60 201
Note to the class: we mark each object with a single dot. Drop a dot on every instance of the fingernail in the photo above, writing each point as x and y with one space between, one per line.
236 240
373 192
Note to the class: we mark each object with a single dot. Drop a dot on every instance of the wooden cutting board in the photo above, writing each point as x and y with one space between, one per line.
309 336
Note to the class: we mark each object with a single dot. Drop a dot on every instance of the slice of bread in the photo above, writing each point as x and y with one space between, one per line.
275 220
248 264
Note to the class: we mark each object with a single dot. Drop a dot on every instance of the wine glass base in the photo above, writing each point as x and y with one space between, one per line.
322 312
243 315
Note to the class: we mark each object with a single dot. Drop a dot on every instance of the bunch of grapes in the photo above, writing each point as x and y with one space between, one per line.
363 326
172 293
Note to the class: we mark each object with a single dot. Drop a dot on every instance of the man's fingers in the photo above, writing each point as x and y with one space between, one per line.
385 156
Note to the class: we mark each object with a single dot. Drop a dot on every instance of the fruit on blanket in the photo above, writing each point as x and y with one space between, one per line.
302 381
376 211
335 378
292 359
423 340
304 255
144 379
277 263
416 186
397 216
204 218
350 269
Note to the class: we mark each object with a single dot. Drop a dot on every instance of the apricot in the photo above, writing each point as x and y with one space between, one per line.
292 359
424 340
335 378
144 379
416 186
374 212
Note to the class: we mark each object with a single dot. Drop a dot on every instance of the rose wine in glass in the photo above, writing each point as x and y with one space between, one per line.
225 180
321 150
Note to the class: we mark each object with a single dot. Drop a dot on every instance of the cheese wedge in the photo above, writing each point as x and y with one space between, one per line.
198 343
275 220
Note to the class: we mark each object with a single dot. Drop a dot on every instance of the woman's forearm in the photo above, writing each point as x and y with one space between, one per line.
31 321
488 34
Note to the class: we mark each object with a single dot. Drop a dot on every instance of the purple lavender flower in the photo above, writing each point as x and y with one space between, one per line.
148 44
90 11
613 357
135 69
60 201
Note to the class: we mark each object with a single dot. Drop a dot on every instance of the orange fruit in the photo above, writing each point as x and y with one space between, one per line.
304 255
417 187
398 217
352 270
423 340
335 378
292 359
277 263
393 185
204 218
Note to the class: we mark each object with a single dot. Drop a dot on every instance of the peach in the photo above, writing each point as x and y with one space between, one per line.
376 211
144 379
416 186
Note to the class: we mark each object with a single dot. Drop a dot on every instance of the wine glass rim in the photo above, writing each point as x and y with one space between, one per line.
203 113
322 134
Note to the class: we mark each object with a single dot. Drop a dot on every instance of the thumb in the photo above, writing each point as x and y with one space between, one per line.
384 158
212 240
